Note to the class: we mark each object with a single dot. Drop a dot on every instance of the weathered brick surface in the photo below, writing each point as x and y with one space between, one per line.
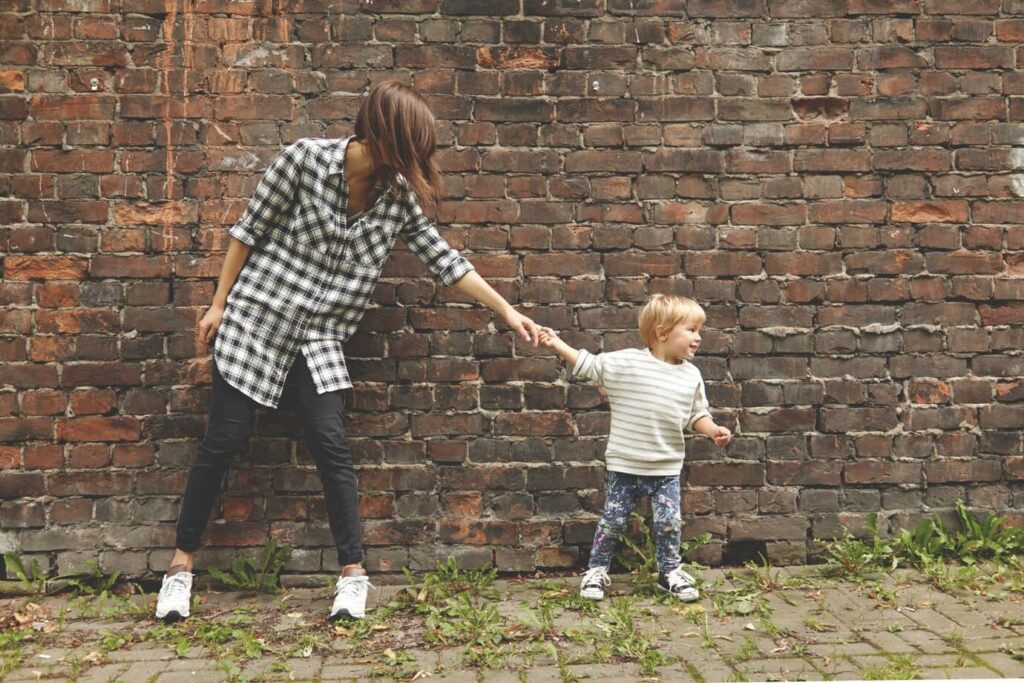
839 183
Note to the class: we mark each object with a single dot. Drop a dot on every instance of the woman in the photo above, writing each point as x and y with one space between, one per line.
298 276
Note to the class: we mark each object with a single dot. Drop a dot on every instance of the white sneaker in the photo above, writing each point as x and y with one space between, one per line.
175 597
593 583
680 584
350 597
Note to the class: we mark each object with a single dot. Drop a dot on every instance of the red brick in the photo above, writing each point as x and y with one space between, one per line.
99 429
45 268
952 211
43 402
74 108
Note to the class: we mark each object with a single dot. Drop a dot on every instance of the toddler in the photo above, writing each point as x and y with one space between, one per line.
655 394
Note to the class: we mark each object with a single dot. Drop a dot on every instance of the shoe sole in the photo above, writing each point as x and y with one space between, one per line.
345 614
172 617
680 597
592 596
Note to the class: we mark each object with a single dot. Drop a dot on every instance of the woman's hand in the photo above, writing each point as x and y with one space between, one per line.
209 324
526 328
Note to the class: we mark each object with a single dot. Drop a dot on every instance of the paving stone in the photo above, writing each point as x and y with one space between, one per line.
925 641
934 621
1003 663
954 673
992 644
966 618
946 661
835 650
330 671
143 652
710 670
889 642
789 668
551 674
305 667
202 675
102 674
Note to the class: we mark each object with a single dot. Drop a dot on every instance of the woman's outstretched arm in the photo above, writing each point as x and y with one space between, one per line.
475 286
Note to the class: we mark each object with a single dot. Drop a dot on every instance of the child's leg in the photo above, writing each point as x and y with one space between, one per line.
619 501
668 523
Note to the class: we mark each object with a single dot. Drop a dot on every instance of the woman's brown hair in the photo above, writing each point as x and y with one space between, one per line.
398 127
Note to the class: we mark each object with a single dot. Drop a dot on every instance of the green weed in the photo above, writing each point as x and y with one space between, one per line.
263 576
899 667
31 577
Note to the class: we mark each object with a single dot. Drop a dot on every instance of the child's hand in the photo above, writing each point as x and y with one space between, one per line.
722 436
547 337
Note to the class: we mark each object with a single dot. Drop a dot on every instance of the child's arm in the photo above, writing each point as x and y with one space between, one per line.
706 426
549 339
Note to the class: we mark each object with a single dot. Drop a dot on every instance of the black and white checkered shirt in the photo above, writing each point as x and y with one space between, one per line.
311 272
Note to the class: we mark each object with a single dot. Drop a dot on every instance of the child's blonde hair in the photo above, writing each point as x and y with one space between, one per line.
667 311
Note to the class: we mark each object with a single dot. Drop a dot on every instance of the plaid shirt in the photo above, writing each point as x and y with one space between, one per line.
311 272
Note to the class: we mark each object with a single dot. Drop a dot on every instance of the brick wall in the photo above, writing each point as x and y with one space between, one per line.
836 180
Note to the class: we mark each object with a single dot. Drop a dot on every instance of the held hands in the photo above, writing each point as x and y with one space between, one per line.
524 327
209 324
547 337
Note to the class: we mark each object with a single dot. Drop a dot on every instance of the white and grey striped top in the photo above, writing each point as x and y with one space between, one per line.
652 403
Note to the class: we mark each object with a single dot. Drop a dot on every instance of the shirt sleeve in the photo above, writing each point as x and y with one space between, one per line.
273 198
699 408
590 366
423 239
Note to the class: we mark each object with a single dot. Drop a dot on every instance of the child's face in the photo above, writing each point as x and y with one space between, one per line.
683 340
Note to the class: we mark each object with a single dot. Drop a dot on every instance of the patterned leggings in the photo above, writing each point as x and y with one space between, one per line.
623 492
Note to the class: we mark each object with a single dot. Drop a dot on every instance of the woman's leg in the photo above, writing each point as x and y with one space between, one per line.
325 436
231 414
620 498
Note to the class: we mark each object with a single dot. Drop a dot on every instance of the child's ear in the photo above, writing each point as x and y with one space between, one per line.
660 333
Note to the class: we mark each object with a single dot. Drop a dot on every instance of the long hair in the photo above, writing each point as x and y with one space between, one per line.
398 127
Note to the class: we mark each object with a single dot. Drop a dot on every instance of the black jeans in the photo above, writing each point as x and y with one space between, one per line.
231 417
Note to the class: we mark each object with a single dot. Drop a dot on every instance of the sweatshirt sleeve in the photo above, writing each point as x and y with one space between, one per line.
590 366
699 408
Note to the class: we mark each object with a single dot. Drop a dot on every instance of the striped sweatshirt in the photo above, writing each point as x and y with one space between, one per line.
652 403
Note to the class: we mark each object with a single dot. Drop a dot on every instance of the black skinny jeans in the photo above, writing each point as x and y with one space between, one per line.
231 417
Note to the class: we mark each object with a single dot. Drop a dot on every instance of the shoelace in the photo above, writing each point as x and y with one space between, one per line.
353 585
176 585
679 579
596 575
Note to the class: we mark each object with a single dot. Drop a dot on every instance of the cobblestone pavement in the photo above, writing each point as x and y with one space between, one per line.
749 625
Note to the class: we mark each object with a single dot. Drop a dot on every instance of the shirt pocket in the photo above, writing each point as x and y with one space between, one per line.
313 227
369 243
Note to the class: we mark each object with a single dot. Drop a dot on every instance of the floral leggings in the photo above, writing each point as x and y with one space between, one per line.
623 492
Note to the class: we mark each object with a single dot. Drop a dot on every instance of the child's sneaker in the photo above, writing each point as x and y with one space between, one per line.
350 597
175 597
593 583
679 583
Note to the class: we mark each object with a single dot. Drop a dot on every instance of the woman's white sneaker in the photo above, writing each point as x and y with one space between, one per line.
175 597
593 583
350 597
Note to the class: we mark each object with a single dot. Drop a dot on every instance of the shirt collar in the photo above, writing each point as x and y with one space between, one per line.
337 162
336 166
